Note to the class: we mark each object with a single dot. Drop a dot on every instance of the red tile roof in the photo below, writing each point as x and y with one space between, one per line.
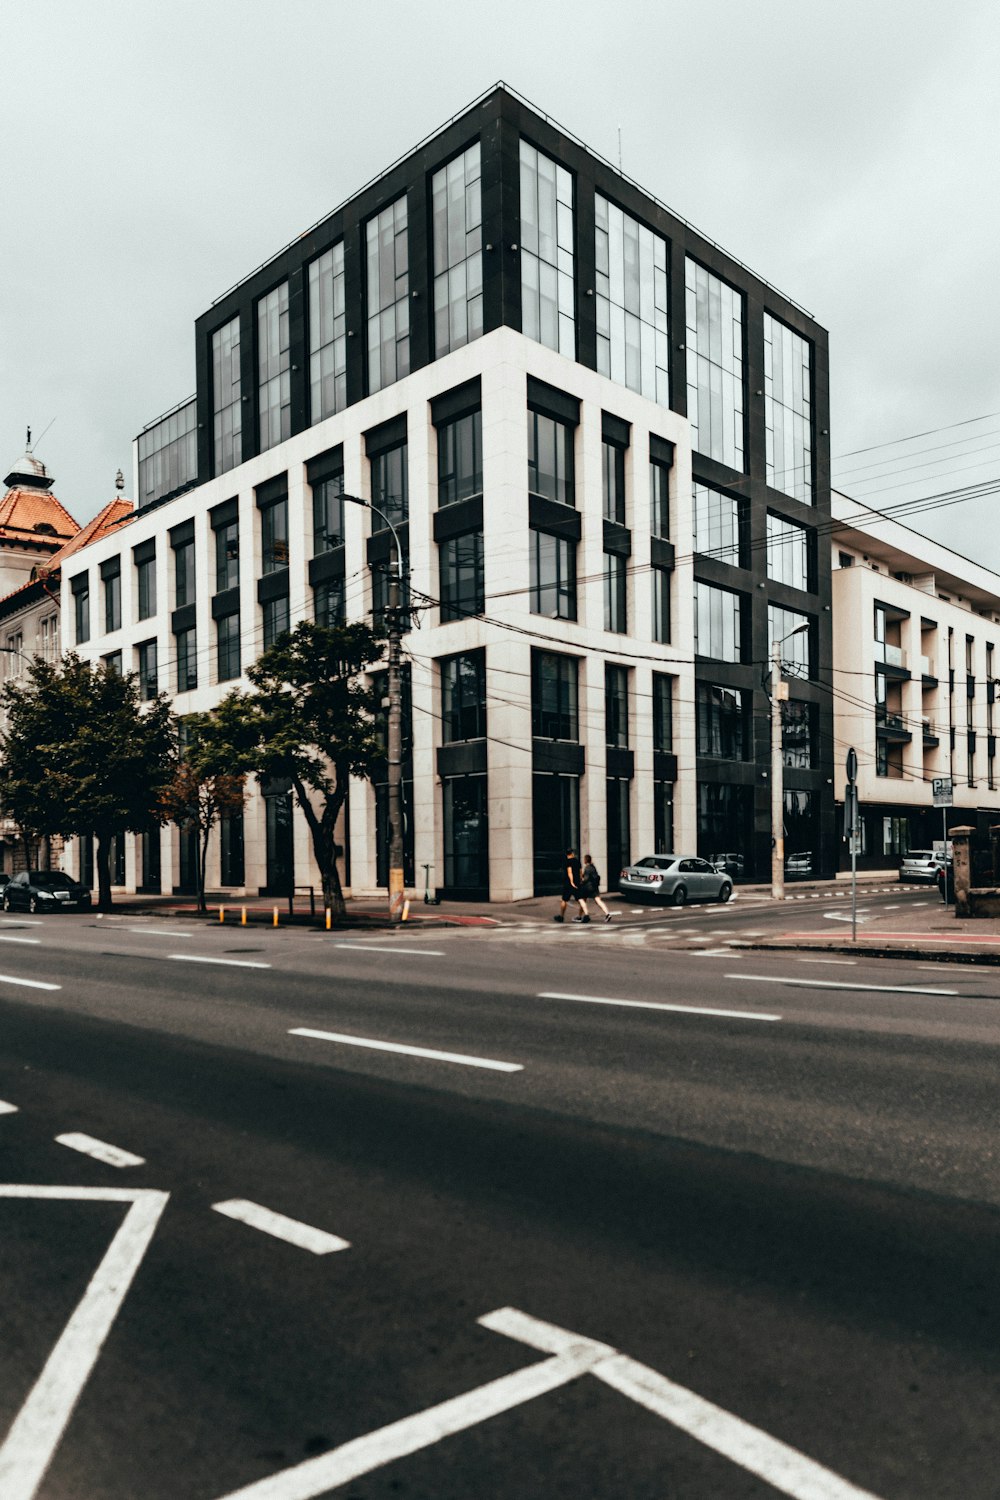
23 510
114 514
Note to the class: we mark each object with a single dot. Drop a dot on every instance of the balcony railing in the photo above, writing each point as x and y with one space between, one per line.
891 656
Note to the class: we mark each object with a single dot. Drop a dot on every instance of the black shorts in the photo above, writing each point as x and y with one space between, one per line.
570 893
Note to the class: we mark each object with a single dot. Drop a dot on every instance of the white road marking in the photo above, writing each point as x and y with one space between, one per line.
915 903
429 1052
5 938
7 1109
713 953
690 1010
848 962
111 1156
160 931
23 921
391 948
833 984
30 984
230 963
292 1231
34 1437
891 908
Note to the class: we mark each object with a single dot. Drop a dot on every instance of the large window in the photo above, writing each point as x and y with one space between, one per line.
663 712
717 623
390 490
276 622
550 458
615 593
788 547
112 574
798 735
227 648
327 335
460 458
168 454
723 722
184 581
616 706
226 393
145 584
548 295
633 344
81 611
613 482
274 536
463 697
554 696
149 675
231 859
328 513
463 591
466 830
388 296
186 656
720 527
273 377
227 556
661 605
659 498
553 576
328 603
458 252
714 365
788 410
796 650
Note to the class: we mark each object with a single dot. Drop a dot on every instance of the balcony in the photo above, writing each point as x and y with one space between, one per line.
930 734
928 671
891 659
891 726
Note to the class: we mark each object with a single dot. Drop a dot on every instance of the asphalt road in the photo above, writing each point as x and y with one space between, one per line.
733 1232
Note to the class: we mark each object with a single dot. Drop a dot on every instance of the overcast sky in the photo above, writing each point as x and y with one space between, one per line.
153 154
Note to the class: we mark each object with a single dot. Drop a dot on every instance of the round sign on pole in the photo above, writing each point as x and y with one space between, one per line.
852 764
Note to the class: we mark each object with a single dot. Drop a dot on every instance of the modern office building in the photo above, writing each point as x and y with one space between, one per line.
603 442
916 666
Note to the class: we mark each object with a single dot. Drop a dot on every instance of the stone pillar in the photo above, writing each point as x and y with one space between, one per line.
961 839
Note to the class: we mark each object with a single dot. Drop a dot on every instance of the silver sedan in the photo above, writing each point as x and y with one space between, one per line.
676 878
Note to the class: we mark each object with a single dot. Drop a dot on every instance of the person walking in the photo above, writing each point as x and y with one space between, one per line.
590 881
572 889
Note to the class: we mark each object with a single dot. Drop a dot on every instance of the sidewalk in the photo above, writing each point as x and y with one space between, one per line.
932 933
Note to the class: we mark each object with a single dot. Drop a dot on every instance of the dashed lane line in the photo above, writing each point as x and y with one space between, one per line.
22 921
6 938
103 1151
150 931
292 1231
392 948
846 962
689 1010
7 1109
29 984
835 984
407 1051
229 963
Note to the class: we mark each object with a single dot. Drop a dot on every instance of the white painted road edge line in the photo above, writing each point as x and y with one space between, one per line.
30 984
292 1231
230 963
5 938
7 1109
391 948
28 1448
111 1156
158 931
837 984
451 1057
847 963
687 1010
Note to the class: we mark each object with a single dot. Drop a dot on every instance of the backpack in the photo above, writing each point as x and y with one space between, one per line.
591 879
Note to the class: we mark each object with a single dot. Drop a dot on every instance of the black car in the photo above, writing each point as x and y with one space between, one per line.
45 890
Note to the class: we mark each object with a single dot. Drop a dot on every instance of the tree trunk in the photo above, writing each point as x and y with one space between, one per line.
103 862
26 840
203 837
324 846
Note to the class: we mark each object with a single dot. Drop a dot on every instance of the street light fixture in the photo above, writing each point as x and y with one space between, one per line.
779 695
394 727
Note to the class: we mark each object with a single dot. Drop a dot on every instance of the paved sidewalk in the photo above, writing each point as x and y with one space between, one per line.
933 933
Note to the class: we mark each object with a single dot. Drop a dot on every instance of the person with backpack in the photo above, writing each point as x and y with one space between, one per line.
590 885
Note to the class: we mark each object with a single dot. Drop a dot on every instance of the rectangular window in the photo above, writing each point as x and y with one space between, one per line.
554 696
613 482
659 499
328 514
327 335
275 619
723 722
788 410
328 603
274 394
615 593
388 296
550 458
184 583
231 858
463 697
168 454
113 662
618 790
390 486
717 623
466 833
381 572
460 459
663 817
548 294
616 706
458 252
274 536
633 338
463 590
798 735
81 613
227 556
145 581
227 648
49 644
113 601
720 526
226 393
796 650
553 576
714 365
663 712
186 654
661 605
149 672
788 547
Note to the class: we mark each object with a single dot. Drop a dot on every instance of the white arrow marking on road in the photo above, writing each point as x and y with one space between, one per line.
687 1010
28 1448
430 1052
230 963
834 984
843 916
292 1231
88 1145
30 984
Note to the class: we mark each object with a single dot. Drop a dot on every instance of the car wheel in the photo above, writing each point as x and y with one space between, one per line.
32 904
680 896
725 891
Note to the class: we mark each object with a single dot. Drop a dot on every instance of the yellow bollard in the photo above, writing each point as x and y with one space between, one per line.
222 913
329 918
406 910
275 916
243 916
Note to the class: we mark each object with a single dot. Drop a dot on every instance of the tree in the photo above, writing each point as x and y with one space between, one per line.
82 756
310 721
206 784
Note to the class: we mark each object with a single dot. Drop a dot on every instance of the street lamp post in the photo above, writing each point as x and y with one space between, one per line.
394 728
779 695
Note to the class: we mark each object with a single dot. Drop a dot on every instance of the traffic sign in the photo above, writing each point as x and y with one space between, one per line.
852 765
943 792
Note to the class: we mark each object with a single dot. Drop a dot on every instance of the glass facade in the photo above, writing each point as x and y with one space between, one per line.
186 657
798 735
168 454
227 556
327 335
725 828
458 252
659 499
231 857
463 697
663 712
466 833
548 293
615 593
717 623
328 603
618 806
550 458
274 536
633 337
788 548
720 528
788 410
460 459
723 722
554 696
714 365
275 613
145 588
613 482
274 415
462 586
796 650
616 706
149 675
660 580
184 581
227 656
328 514
390 486
388 296
226 393
553 576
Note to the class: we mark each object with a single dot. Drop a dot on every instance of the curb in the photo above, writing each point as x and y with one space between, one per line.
925 955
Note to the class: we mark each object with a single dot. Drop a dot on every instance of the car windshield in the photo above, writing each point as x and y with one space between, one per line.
52 880
919 854
659 862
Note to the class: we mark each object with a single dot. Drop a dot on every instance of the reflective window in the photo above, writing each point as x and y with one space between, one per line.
81 614
328 603
275 619
463 697
553 576
273 365
231 859
613 482
547 275
381 575
616 706
460 458
720 528
659 499
461 576
632 308
227 637
390 486
788 410
661 605
186 656
327 335
550 458
458 257
798 734
227 408
227 556
615 593
717 623
554 696
723 722
274 536
168 454
328 514
183 574
796 650
113 602
149 674
145 580
714 365
388 296
113 662
663 712
466 833
787 552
